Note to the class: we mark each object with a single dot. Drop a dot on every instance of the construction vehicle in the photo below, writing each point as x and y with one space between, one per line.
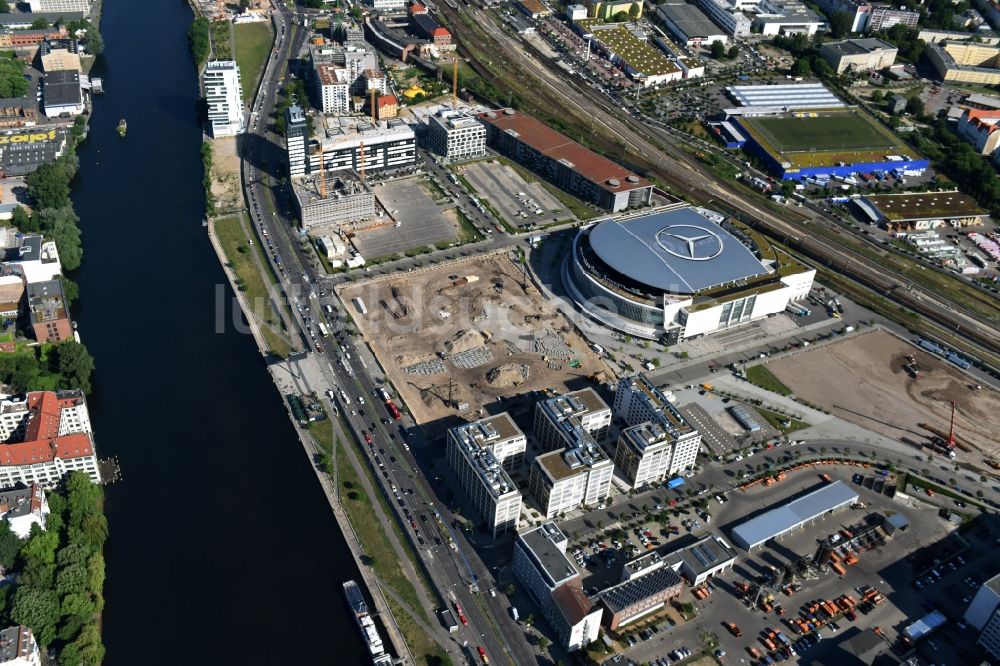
754 652
825 477
839 568
851 559
946 439
992 463
734 630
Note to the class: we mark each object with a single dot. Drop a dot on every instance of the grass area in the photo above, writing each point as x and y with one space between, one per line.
434 190
468 233
778 420
253 45
579 209
423 648
906 480
249 280
759 375
222 40
848 131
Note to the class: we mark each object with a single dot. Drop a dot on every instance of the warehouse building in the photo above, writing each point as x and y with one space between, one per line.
23 151
922 210
63 95
791 516
342 198
689 25
470 452
563 162
673 273
705 558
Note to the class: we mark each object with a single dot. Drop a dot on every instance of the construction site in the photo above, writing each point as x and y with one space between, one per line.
463 338
900 390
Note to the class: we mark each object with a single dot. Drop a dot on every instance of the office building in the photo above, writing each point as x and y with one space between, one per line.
60 6
732 21
23 507
18 647
48 313
388 6
325 199
385 145
688 24
45 436
296 140
543 569
582 409
477 454
965 62
637 597
334 88
63 94
37 258
858 55
577 475
979 127
787 17
224 95
983 616
563 162
456 135
59 55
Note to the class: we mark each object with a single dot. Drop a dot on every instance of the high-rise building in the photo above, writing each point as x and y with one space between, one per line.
542 567
334 89
456 135
983 614
296 139
60 6
476 454
390 144
555 416
224 95
663 443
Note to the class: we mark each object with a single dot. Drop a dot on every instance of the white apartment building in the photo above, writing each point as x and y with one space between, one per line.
60 6
224 95
24 507
334 87
18 647
582 408
983 614
296 139
543 569
456 135
565 479
476 453
376 80
387 5
48 435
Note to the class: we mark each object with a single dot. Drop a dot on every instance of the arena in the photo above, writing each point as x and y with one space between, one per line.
678 272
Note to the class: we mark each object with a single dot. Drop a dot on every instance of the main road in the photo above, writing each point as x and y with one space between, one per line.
452 565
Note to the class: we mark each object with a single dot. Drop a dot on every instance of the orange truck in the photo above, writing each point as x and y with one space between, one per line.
770 644
734 630
870 594
834 557
839 568
754 652
825 477
851 559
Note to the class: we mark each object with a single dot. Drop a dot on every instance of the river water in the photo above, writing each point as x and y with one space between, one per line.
223 548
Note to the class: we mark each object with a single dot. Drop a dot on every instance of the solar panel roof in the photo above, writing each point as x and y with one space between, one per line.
678 251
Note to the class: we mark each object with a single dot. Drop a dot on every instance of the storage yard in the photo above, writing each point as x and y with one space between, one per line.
460 337
865 380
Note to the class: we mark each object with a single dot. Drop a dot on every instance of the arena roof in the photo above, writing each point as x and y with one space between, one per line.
787 517
678 251
790 96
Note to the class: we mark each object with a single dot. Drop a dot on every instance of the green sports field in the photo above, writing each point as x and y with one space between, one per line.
788 134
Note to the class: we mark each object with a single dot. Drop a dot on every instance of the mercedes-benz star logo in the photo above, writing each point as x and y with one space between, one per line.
701 245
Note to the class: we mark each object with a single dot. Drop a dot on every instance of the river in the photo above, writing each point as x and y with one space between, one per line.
223 548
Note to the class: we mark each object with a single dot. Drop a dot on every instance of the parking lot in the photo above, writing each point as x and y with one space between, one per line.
421 220
517 201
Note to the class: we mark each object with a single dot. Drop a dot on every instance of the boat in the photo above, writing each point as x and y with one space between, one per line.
366 624
122 127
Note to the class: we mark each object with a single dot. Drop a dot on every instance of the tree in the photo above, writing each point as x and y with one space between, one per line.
915 105
840 24
39 24
86 650
877 96
801 67
20 218
48 186
620 17
72 579
733 52
71 291
635 10
75 364
94 41
10 546
39 609
718 49
543 642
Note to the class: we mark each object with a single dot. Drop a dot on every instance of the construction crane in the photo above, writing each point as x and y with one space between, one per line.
372 103
946 439
454 81
361 166
322 177
434 391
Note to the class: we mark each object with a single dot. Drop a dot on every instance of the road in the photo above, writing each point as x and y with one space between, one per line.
456 572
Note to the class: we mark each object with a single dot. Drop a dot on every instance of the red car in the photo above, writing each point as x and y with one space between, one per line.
482 655
461 615
368 438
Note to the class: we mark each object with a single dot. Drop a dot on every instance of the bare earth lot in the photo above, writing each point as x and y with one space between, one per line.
486 337
862 380
226 174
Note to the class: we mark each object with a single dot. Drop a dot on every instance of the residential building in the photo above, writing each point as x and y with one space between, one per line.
386 106
60 6
11 290
883 18
543 569
37 258
935 36
348 32
334 88
979 127
640 596
387 5
727 16
325 199
18 647
858 55
456 135
63 94
659 442
582 409
385 145
477 453
965 62
48 313
59 55
688 24
23 507
355 59
579 474
224 95
375 80
858 10
17 112
563 162
45 436
296 139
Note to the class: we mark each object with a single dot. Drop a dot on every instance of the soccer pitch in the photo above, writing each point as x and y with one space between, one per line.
840 132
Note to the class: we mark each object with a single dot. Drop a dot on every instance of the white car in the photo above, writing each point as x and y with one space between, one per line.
361 399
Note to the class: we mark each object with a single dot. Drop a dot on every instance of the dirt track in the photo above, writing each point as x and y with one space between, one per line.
863 380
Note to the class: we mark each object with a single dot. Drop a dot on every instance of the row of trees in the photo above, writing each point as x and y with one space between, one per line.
198 39
59 592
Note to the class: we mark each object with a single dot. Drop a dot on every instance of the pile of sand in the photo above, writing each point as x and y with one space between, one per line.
463 341
406 360
508 374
